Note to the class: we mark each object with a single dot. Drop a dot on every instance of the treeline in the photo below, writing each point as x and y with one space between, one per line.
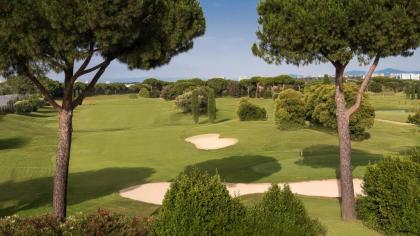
256 87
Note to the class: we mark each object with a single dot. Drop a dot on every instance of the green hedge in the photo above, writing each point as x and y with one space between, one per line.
24 106
392 201
198 204
248 111
281 213
290 109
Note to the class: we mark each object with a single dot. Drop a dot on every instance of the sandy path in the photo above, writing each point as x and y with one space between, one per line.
211 141
155 192
395 122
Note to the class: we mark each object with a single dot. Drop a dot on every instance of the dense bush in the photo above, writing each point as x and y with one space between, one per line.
248 111
198 204
375 87
414 119
290 109
144 93
23 107
218 85
392 189
183 102
102 223
173 90
281 213
321 109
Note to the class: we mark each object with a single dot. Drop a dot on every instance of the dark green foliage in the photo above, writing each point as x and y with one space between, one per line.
198 204
414 119
218 85
211 106
392 189
183 102
195 106
412 89
281 213
173 90
24 107
100 223
320 109
290 109
144 93
375 87
248 111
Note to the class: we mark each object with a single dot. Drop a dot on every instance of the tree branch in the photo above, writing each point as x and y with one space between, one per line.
92 83
84 65
363 87
92 68
43 90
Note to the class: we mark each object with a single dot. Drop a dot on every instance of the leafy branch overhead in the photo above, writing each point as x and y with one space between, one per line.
39 36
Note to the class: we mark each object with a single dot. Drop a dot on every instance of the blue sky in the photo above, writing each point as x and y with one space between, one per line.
225 50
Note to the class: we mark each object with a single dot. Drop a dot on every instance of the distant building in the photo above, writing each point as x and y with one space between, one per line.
407 76
378 75
107 82
129 85
242 77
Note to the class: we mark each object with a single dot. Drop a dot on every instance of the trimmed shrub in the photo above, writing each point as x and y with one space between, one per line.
23 107
290 109
248 111
392 189
281 213
414 119
198 203
211 108
144 93
183 102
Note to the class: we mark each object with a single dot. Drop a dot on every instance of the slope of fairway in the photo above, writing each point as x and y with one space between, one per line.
120 142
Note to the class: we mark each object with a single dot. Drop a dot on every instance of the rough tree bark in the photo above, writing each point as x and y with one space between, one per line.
343 114
346 178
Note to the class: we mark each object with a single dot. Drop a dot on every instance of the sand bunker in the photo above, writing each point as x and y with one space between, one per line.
155 192
211 141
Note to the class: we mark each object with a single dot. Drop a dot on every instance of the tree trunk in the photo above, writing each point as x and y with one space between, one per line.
62 164
348 207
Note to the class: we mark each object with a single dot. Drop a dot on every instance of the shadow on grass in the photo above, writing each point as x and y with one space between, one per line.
240 169
327 156
83 186
98 130
12 143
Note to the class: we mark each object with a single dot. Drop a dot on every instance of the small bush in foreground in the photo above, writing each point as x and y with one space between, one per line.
198 204
281 213
184 102
290 109
248 111
101 223
392 189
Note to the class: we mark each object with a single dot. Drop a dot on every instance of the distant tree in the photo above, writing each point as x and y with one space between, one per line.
195 109
326 79
53 35
375 87
218 85
211 106
290 32
144 93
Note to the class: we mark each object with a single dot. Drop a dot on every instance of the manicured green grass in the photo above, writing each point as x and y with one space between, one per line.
327 211
120 142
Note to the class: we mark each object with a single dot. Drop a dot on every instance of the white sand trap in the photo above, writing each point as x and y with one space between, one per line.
155 192
211 141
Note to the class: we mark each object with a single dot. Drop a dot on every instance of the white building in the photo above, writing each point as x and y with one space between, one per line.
407 76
